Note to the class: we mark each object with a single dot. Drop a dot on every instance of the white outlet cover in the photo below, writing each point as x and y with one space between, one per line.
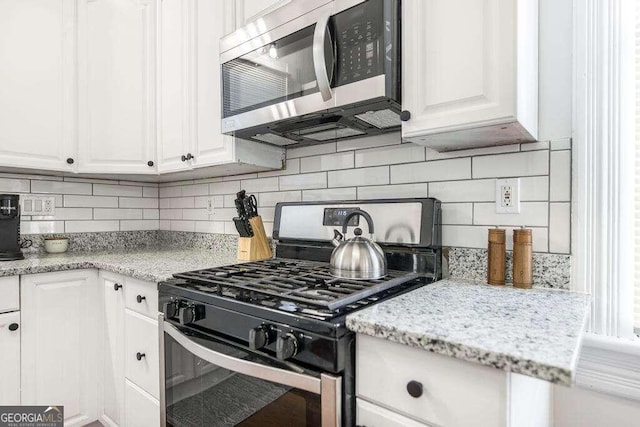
38 205
512 184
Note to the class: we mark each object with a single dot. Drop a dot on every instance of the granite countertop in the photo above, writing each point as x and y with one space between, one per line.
535 332
150 265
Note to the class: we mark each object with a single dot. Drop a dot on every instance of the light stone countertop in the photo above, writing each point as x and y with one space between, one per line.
535 332
146 264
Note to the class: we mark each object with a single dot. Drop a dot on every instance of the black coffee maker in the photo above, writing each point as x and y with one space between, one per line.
10 227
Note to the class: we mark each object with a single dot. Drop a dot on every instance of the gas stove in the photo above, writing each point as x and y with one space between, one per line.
290 310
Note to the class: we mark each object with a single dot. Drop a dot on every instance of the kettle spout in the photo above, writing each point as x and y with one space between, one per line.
337 238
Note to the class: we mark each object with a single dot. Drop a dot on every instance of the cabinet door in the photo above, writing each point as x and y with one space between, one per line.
141 409
175 73
460 70
60 346
116 86
250 10
10 358
213 20
37 94
113 349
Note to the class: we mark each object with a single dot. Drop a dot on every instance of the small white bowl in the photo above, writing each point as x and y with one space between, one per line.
56 245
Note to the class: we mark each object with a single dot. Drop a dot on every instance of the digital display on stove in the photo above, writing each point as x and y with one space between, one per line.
335 217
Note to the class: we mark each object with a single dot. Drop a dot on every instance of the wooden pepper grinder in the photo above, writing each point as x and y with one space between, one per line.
522 258
496 256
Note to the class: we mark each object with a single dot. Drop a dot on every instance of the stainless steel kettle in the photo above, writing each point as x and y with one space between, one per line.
358 257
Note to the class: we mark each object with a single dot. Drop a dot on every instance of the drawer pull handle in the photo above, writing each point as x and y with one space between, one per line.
414 388
14 327
140 298
117 286
139 355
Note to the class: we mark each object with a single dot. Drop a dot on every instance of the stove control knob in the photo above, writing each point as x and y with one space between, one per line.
187 315
286 346
259 337
170 309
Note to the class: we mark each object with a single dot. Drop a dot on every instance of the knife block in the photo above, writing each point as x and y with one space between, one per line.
257 247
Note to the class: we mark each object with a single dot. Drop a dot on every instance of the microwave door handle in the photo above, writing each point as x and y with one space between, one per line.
319 59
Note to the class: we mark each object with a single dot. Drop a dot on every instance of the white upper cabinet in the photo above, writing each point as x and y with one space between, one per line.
470 72
37 94
116 63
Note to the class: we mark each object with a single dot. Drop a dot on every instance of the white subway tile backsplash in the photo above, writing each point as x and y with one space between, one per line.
223 214
182 202
457 213
164 203
133 225
312 150
292 167
539 145
531 214
153 192
175 191
229 200
356 177
560 228
41 227
405 153
270 199
478 190
195 214
67 213
437 170
165 224
183 226
511 165
225 187
61 187
195 190
307 181
327 162
91 226
117 213
209 227
560 176
136 202
393 138
116 190
259 185
90 201
9 185
345 193
561 144
268 214
535 188
150 214
396 191
170 213
473 236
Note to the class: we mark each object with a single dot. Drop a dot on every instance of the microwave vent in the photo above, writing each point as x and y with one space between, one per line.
339 132
382 119
272 138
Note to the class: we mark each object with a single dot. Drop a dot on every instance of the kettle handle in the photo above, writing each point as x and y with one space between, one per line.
357 212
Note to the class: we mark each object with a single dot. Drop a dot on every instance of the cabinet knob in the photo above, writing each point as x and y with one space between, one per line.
405 115
70 161
117 286
139 355
184 158
150 163
14 327
140 298
189 156
414 388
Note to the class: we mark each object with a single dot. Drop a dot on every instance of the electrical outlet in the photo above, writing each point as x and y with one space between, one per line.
38 205
210 206
508 196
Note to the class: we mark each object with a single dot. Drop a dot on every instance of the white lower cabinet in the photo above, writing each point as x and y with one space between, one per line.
400 385
131 368
10 358
60 342
141 409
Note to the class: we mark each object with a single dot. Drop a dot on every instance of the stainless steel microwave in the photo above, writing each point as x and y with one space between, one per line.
314 71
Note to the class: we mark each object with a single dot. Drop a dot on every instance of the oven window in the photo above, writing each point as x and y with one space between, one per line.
271 74
199 393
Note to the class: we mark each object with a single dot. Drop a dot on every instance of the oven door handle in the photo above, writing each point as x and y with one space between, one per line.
319 59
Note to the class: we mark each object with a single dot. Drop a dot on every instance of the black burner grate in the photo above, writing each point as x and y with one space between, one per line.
301 281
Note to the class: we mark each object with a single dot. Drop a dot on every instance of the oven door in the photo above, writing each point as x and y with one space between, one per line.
207 381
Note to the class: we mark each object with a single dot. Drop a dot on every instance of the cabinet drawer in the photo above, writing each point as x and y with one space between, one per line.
9 294
146 292
454 392
370 415
9 359
142 337
141 409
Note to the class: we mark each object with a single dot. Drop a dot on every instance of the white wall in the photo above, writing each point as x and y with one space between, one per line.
578 407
